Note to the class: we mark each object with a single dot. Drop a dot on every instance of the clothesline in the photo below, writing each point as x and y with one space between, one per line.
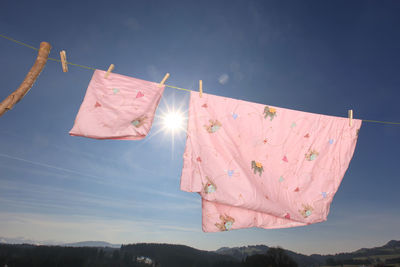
178 88
73 64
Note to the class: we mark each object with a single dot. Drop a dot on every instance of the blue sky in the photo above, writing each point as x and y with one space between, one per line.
318 56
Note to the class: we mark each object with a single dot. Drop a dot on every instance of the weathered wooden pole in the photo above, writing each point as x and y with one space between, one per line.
29 80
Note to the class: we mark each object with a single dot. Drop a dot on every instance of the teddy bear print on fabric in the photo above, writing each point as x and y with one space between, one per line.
213 126
209 187
257 167
306 211
269 112
226 223
139 121
312 155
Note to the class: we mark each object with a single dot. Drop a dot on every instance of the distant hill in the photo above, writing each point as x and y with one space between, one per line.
137 255
389 253
389 247
95 244
18 240
99 253
392 244
21 240
179 255
241 253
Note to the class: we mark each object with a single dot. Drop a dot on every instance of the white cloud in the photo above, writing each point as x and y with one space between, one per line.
223 79
23 196
153 73
74 228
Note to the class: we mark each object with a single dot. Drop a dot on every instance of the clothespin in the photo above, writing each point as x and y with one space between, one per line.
201 87
164 79
110 69
63 56
350 117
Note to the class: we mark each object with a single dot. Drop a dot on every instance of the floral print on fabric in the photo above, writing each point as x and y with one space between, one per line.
209 187
110 110
214 126
312 155
306 211
139 121
226 223
267 167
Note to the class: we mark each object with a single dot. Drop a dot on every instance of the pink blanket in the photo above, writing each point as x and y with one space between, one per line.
119 107
263 166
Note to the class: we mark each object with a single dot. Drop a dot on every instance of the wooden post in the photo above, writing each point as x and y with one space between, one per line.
29 80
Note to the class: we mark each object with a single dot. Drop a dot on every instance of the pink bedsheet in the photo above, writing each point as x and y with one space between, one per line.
263 166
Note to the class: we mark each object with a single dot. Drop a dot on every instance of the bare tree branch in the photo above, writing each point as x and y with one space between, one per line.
29 80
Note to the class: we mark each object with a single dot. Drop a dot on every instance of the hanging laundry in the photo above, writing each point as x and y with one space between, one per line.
263 166
117 107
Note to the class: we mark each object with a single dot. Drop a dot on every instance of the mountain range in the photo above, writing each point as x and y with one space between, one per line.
388 253
180 255
21 240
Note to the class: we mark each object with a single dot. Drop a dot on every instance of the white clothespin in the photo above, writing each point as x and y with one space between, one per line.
201 88
63 56
110 69
350 117
164 79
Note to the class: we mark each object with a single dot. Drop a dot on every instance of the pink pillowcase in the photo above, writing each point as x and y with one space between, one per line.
119 107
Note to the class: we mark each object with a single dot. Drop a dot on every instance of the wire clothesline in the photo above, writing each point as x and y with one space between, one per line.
178 88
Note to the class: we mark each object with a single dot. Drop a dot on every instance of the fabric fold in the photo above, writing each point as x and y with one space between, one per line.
263 166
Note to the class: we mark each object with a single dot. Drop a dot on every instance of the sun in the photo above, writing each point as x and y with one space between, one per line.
173 120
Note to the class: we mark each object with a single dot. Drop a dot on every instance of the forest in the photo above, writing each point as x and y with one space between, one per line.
137 255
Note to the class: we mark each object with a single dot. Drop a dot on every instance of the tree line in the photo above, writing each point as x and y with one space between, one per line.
132 256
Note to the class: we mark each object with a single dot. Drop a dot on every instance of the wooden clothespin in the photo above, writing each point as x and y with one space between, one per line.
110 69
350 117
164 79
63 56
201 88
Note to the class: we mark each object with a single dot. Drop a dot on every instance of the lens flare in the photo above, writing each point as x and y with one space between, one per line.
173 120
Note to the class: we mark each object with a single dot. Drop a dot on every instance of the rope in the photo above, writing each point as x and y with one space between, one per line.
34 48
179 88
18 42
183 89
386 122
73 64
